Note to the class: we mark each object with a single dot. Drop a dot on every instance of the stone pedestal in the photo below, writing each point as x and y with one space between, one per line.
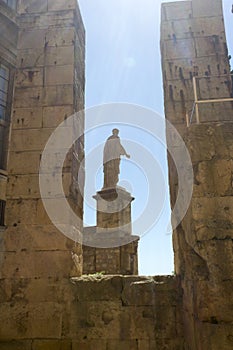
110 246
114 210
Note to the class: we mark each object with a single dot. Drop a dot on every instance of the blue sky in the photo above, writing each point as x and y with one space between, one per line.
123 65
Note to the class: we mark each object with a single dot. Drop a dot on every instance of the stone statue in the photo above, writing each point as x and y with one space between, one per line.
113 150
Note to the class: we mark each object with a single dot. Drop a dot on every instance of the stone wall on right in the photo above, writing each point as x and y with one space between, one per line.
193 43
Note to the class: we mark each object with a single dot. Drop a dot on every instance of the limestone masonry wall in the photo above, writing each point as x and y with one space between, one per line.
41 306
92 312
46 83
193 43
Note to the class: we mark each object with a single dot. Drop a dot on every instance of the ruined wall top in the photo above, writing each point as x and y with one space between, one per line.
193 44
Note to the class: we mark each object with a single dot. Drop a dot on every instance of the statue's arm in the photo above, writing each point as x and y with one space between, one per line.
123 152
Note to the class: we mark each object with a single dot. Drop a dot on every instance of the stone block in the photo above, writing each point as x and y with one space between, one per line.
23 186
24 118
50 290
184 69
95 320
30 140
114 210
180 90
94 288
208 46
60 5
138 325
42 320
122 344
205 233
60 214
21 211
59 56
147 345
64 37
31 58
32 6
200 150
222 139
214 178
15 345
27 186
58 95
32 39
218 112
176 111
212 252
35 238
214 336
58 75
148 292
39 97
48 19
51 345
53 116
108 260
3 184
36 290
28 97
192 27
37 264
214 88
23 163
176 11
89 345
165 324
213 209
220 308
207 8
42 217
29 77
179 49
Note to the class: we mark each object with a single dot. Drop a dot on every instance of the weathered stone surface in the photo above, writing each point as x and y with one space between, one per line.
30 39
36 238
59 55
36 264
89 345
35 259
122 344
30 321
49 96
24 162
104 288
182 70
37 290
57 75
179 49
189 27
3 184
27 118
53 116
32 6
207 8
174 11
203 241
29 77
16 345
61 5
51 345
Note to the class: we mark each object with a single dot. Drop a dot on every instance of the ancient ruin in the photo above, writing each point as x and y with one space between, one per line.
50 294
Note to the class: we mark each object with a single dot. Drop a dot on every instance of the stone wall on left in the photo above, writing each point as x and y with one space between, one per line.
48 57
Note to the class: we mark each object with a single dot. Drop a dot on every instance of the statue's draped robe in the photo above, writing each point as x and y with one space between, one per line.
113 150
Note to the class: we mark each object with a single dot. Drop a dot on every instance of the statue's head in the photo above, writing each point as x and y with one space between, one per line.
115 132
